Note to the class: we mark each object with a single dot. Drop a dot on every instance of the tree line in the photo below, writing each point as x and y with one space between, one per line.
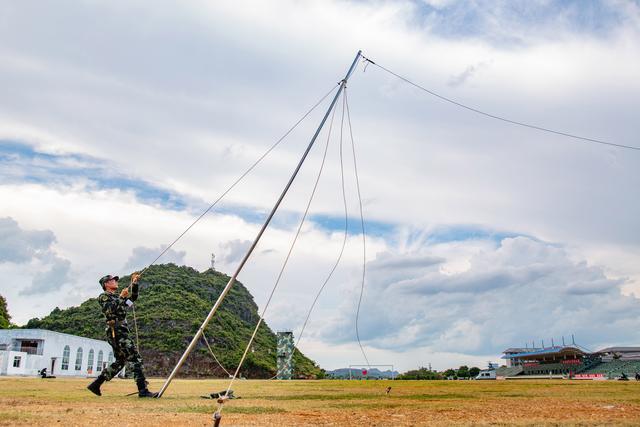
463 372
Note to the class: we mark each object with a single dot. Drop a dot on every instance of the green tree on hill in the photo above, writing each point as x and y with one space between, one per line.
5 319
420 374
463 372
449 373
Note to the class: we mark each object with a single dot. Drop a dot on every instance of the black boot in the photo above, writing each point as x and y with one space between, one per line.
94 387
143 391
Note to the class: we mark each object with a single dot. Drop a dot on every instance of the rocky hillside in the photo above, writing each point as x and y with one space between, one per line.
173 303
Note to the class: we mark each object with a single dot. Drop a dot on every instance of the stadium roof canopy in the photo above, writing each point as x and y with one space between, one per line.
619 350
555 351
521 349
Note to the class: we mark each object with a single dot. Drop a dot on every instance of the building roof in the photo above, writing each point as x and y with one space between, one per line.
19 333
544 352
520 349
620 350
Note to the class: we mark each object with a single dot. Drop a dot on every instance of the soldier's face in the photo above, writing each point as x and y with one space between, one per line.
111 285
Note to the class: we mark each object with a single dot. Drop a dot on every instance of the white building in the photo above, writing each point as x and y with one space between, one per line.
27 351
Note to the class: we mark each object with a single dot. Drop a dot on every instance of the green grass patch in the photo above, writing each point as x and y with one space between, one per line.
228 408
437 396
67 402
360 405
195 409
12 416
253 410
335 396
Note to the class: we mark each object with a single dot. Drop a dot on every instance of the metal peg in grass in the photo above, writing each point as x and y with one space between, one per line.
217 417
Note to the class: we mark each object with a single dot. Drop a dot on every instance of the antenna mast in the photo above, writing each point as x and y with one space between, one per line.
232 280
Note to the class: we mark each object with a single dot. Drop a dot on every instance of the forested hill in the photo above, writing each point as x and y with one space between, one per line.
173 303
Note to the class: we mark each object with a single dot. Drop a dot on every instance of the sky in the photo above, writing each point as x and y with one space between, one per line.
120 123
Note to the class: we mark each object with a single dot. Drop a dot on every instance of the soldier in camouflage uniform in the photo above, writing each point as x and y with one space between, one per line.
114 308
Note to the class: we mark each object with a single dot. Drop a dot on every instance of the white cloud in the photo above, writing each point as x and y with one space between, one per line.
19 246
185 96
50 280
234 250
95 229
518 290
34 248
142 256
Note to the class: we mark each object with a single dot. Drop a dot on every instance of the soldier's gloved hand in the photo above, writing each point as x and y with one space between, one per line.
124 293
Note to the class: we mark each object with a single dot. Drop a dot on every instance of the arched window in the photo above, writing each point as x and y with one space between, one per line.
79 359
99 364
110 358
90 361
65 358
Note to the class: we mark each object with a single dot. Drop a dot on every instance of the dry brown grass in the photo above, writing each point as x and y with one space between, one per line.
32 401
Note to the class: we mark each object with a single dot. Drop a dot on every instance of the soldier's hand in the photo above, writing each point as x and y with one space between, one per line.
124 293
134 278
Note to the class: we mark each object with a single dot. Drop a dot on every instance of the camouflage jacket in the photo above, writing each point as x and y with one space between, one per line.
114 307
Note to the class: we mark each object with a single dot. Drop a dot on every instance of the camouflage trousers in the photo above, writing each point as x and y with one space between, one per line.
124 350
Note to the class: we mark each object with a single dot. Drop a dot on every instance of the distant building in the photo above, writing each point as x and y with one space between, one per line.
570 361
556 360
27 351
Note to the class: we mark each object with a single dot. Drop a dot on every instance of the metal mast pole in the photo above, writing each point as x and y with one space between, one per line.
232 280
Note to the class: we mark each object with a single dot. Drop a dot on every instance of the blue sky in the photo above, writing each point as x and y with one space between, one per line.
21 163
113 141
478 19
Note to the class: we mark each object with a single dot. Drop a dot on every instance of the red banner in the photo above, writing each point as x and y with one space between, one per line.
588 376
571 362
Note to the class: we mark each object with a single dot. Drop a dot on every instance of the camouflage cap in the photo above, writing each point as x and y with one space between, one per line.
105 279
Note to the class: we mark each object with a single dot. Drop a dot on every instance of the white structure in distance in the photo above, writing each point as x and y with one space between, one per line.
28 351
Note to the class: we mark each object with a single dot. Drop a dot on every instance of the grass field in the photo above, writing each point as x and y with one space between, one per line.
33 401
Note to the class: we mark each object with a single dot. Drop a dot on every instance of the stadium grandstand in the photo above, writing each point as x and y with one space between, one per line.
616 361
570 361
